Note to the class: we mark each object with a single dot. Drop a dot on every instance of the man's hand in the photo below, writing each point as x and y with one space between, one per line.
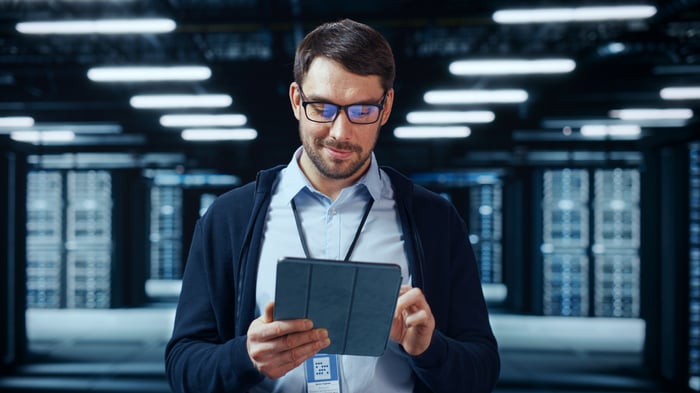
277 347
413 324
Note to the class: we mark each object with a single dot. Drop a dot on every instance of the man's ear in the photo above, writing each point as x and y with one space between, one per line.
388 104
295 99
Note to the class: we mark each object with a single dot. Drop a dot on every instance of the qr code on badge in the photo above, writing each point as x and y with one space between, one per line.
322 368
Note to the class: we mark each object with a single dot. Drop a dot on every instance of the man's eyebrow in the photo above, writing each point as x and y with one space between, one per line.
312 98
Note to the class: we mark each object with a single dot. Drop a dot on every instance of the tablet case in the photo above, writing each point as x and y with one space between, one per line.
355 301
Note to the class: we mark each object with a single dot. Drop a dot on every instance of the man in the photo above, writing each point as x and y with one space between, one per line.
332 201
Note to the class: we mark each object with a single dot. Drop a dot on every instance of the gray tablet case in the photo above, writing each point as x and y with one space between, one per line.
355 301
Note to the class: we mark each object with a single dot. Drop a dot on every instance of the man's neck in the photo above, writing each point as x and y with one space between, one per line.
327 186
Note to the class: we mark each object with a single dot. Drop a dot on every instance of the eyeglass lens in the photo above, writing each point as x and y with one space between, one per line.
358 113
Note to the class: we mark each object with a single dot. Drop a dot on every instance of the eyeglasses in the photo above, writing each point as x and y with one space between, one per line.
325 112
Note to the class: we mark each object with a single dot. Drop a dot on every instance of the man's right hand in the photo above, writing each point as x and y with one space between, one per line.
277 347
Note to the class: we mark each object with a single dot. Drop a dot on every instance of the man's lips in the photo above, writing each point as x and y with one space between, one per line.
338 154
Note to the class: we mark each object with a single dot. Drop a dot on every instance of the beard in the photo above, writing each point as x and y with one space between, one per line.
334 168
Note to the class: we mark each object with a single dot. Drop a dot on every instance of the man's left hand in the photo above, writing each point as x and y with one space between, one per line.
413 323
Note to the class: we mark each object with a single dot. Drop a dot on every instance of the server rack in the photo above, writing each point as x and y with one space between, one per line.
166 232
616 250
69 239
171 221
478 197
694 267
89 239
590 242
565 239
44 239
486 230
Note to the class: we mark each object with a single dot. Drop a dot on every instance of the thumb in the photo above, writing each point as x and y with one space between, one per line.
269 312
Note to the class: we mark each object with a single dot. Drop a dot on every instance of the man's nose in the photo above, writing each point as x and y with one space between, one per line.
341 128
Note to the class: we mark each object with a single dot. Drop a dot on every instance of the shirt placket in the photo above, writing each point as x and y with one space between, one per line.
332 233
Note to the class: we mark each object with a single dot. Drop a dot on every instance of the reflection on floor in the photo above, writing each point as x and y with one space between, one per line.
122 351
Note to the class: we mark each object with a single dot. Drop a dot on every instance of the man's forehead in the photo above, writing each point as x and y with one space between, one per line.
344 93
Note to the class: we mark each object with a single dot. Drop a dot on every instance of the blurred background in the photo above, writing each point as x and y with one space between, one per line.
565 133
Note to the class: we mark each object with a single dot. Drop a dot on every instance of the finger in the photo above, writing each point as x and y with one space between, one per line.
281 364
414 319
277 347
412 298
274 330
397 328
298 354
293 350
292 341
269 312
404 289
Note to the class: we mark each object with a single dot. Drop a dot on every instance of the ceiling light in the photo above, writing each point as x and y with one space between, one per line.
218 134
563 123
475 96
149 74
16 121
431 132
577 14
40 137
602 130
103 26
652 114
202 120
512 66
160 101
680 93
442 117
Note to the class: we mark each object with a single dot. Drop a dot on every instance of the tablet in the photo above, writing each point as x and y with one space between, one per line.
354 301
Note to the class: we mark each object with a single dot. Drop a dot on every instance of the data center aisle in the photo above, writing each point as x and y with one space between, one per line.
122 351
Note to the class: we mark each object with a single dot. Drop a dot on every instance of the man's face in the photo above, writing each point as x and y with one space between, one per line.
339 150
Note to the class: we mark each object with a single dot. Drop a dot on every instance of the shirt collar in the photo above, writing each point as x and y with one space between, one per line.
293 180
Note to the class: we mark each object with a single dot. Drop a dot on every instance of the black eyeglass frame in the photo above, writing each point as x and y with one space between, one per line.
344 108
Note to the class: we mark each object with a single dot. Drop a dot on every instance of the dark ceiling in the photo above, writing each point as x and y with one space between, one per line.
249 45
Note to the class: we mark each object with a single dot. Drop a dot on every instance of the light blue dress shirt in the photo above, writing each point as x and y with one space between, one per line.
329 227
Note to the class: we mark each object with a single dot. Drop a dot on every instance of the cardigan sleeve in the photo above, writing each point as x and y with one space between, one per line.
204 354
463 352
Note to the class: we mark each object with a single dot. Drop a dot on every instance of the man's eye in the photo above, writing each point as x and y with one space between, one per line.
325 110
361 110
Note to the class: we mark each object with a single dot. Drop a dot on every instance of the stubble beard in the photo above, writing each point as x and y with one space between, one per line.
330 168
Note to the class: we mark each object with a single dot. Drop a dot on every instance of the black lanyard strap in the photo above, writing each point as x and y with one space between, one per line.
302 236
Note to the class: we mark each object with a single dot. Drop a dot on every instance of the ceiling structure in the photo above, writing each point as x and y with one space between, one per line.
249 46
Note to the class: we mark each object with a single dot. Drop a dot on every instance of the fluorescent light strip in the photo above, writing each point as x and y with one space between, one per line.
218 134
576 14
601 130
16 121
184 120
512 66
161 101
431 132
38 137
99 26
149 74
475 96
681 93
450 117
652 114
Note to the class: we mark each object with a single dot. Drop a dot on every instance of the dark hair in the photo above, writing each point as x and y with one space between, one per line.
358 47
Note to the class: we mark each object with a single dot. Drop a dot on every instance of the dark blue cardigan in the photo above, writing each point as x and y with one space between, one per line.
207 351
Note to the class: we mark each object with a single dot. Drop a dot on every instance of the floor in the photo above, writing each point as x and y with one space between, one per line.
114 351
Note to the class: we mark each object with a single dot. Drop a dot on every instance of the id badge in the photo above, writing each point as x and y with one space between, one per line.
322 374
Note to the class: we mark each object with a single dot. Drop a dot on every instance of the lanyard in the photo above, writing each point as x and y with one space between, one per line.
302 237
